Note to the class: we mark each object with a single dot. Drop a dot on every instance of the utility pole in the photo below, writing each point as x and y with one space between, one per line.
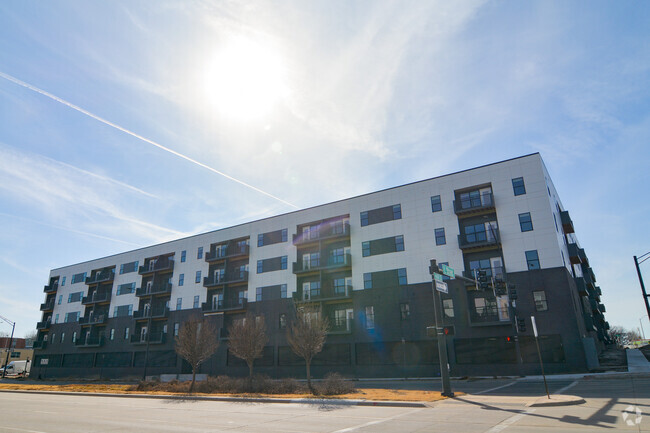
442 340
638 272
11 340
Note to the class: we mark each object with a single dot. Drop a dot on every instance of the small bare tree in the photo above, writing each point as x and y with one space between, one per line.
196 342
307 334
246 340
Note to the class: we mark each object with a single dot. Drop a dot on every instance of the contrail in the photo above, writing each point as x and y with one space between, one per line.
140 137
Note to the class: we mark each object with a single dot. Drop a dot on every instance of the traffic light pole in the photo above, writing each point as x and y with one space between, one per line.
645 295
442 340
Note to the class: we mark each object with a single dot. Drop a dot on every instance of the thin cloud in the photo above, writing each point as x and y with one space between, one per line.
139 137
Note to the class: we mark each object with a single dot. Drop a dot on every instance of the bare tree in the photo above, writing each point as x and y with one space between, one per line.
196 342
246 340
307 334
618 334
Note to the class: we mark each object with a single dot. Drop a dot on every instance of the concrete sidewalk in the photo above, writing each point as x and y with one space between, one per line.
637 362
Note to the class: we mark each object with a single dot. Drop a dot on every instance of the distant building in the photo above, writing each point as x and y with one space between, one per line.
18 351
364 261
18 343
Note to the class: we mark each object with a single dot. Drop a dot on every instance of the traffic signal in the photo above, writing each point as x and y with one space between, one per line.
521 325
449 330
481 277
500 287
433 267
513 293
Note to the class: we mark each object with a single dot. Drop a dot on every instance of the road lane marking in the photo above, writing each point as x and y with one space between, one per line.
495 388
509 421
566 388
357 427
21 429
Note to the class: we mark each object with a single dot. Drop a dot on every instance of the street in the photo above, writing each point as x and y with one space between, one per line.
493 406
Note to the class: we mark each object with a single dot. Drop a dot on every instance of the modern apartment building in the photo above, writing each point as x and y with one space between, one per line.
365 262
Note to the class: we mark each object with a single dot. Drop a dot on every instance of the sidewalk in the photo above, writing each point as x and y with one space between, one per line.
637 362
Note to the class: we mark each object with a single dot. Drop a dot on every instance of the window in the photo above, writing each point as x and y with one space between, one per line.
77 278
63 282
179 303
557 229
525 222
271 238
382 246
283 261
196 302
199 253
183 256
364 219
365 249
112 334
448 308
126 333
126 268
436 204
260 266
72 317
124 289
337 256
123 310
74 337
540 300
258 294
197 279
282 322
176 328
532 259
404 311
370 317
60 299
17 354
75 297
56 318
272 264
399 243
401 276
62 336
381 215
518 186
53 338
397 212
440 236
339 285
283 290
367 280
181 279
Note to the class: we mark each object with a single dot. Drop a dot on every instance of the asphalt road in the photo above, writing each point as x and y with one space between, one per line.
497 410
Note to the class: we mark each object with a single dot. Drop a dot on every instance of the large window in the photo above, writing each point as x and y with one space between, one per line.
436 204
382 246
183 256
525 222
370 317
77 278
197 278
381 279
404 311
123 310
124 289
440 236
72 317
199 253
271 238
272 264
126 268
75 297
540 300
518 186
448 308
381 215
181 280
532 259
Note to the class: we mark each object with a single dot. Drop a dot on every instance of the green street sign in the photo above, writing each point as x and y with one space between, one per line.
437 277
448 271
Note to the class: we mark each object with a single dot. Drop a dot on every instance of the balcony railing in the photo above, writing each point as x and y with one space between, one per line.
325 231
476 204
97 298
489 314
51 288
43 325
101 277
318 264
345 326
157 289
39 344
156 312
328 294
95 319
228 278
230 252
48 306
154 338
567 223
90 341
224 305
581 286
156 266
479 239
497 272
589 321
574 255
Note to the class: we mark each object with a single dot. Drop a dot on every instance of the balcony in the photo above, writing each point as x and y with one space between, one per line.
90 341
48 306
224 305
474 205
601 308
328 294
154 290
160 265
479 240
574 255
39 344
97 298
95 319
101 277
157 312
340 327
325 231
567 223
498 273
51 288
43 325
489 315
154 338
582 286
228 278
589 321
232 251
337 262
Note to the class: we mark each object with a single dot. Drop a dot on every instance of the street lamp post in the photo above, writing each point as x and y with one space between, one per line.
11 340
638 272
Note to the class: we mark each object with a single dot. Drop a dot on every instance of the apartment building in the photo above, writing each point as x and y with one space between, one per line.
365 262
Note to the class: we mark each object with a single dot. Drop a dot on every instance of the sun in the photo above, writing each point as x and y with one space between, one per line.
245 80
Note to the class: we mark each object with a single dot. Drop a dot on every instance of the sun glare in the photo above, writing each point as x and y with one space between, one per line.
245 80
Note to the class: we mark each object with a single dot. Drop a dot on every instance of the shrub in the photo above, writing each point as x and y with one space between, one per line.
334 384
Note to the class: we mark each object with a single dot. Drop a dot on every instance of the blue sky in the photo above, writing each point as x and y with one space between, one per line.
325 100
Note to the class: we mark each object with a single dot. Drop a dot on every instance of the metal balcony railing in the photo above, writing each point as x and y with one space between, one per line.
224 305
95 319
96 298
156 312
326 294
154 338
478 203
489 314
157 265
154 289
101 277
51 288
567 223
229 252
225 278
39 344
333 262
325 231
479 239
49 305
43 325
90 341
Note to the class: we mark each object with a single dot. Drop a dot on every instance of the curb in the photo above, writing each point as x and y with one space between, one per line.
330 402
557 400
